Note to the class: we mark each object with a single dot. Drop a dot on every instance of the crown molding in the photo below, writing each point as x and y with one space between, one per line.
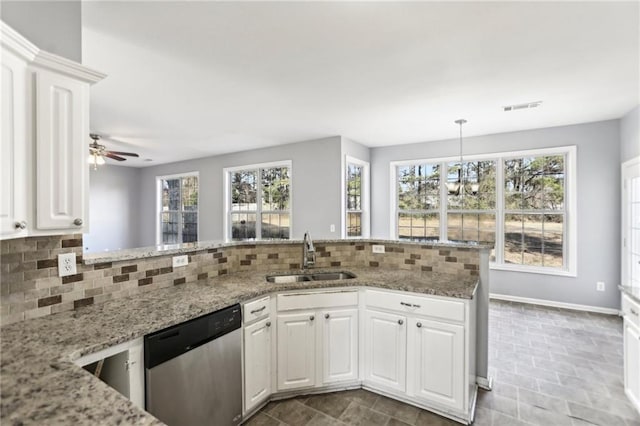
66 66
12 40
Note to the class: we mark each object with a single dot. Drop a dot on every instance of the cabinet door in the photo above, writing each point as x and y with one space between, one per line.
257 363
61 151
385 350
340 345
13 145
296 350
632 363
436 366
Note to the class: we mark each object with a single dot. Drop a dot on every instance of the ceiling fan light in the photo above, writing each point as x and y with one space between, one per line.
100 160
91 159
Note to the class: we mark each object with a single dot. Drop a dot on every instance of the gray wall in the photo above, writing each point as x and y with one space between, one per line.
356 150
316 182
113 208
630 135
598 211
53 26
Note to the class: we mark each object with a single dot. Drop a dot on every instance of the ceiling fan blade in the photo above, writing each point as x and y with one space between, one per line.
113 156
130 154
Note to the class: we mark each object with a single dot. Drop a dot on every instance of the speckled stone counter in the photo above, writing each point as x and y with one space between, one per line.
632 292
40 384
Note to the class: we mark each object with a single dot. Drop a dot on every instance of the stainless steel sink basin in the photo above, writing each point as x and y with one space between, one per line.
312 276
285 279
323 276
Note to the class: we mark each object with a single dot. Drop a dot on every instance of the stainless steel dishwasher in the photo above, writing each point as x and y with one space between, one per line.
193 371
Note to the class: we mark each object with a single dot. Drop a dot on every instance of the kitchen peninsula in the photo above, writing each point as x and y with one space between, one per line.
41 382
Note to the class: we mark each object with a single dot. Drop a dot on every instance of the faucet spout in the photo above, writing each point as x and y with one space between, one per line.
308 252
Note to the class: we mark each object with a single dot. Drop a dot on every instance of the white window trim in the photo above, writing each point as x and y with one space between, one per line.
227 193
571 175
365 220
159 201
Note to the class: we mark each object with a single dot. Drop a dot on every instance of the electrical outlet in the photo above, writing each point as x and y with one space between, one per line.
332 228
180 261
377 248
600 286
66 264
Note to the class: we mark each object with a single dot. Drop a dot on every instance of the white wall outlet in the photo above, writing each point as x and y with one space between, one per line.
600 286
377 248
66 264
332 228
180 261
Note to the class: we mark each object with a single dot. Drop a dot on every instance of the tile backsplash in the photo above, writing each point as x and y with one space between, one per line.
30 286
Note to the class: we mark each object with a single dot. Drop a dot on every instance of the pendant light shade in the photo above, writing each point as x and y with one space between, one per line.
460 122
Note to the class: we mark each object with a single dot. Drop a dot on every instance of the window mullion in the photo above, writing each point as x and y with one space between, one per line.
444 199
500 214
259 205
179 212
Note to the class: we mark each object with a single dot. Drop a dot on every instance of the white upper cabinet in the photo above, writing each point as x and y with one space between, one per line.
13 143
45 137
61 150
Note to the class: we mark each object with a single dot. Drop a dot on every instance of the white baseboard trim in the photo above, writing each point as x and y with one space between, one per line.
485 383
542 302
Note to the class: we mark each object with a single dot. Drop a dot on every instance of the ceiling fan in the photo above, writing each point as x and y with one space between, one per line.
97 152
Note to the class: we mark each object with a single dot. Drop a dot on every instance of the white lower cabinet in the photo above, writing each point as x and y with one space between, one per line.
339 345
436 362
296 350
121 367
385 351
631 324
257 363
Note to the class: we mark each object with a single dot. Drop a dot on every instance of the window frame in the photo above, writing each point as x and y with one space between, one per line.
570 245
159 210
226 172
365 201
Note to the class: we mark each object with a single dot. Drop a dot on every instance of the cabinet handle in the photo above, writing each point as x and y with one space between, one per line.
311 318
400 322
77 222
327 316
419 325
268 324
255 311
406 304
21 225
633 311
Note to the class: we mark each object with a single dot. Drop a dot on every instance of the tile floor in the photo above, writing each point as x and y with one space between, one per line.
550 367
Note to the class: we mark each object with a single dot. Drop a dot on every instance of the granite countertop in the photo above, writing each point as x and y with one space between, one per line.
632 292
171 249
40 384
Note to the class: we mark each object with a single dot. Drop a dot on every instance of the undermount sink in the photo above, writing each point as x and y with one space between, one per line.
312 276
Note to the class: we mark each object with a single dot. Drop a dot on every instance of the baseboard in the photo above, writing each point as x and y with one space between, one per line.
485 383
543 302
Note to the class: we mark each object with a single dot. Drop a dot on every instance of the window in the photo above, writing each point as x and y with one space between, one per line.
356 198
521 202
178 205
258 202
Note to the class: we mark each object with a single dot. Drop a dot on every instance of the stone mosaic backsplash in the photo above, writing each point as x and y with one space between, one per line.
30 286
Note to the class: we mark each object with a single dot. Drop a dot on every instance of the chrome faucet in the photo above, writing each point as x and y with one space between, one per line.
308 252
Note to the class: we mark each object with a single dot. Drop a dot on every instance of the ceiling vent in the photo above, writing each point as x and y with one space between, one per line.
527 105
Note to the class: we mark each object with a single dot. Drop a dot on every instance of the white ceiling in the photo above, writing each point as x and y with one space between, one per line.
187 80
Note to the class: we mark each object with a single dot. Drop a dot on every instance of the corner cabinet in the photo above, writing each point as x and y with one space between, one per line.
45 128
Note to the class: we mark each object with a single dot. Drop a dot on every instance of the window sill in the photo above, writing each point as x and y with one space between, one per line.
532 270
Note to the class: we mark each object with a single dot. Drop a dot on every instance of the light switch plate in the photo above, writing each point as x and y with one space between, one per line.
377 248
66 264
179 261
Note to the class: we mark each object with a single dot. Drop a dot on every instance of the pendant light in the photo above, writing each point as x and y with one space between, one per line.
460 122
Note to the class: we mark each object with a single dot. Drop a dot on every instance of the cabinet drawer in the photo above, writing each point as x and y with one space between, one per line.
257 309
452 310
631 310
288 302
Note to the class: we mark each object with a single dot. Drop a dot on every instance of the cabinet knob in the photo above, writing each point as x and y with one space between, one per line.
419 325
327 316
268 324
400 322
311 318
21 225
77 222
